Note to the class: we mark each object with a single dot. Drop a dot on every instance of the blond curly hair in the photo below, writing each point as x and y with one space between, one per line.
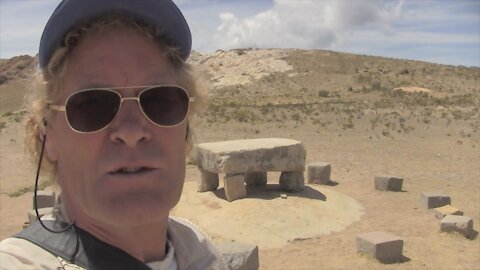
47 81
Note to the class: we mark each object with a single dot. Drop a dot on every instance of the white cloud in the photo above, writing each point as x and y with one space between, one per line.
425 30
303 24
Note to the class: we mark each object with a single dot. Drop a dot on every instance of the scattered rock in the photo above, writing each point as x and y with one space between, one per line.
434 200
319 173
414 89
32 216
388 183
385 247
44 199
441 212
239 256
460 224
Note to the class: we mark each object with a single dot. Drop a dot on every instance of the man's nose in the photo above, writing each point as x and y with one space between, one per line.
130 126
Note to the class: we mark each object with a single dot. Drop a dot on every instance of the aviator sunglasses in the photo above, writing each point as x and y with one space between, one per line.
92 110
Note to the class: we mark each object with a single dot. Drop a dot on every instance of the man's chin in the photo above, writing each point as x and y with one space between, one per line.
134 209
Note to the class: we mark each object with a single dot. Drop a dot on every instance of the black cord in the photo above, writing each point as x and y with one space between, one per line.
36 189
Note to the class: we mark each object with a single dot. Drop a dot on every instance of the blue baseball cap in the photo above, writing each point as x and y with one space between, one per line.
72 13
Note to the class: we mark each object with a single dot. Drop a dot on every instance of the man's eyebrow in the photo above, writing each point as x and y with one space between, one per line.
92 86
157 79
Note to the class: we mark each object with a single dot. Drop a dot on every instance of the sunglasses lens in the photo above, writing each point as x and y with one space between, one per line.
165 105
92 110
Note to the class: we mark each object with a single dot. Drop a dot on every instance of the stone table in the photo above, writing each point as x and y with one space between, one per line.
249 161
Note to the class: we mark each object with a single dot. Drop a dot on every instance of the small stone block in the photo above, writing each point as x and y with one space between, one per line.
208 181
434 200
44 199
388 183
460 224
32 216
235 187
239 256
441 212
319 173
256 178
292 181
385 247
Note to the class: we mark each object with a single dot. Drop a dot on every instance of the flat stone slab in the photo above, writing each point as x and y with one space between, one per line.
388 183
239 256
434 200
460 224
385 247
441 212
253 155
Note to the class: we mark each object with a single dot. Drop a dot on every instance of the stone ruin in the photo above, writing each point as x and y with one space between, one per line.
383 246
248 161
451 218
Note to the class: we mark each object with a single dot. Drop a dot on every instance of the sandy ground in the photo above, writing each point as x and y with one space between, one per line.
317 228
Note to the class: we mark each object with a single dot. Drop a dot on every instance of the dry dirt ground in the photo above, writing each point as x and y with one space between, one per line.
347 111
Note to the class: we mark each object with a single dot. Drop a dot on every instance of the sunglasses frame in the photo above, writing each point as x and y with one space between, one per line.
122 99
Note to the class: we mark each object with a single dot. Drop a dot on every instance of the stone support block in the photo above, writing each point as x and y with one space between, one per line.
434 200
44 199
460 224
441 212
256 178
239 256
292 181
319 173
208 181
385 247
235 187
388 183
32 216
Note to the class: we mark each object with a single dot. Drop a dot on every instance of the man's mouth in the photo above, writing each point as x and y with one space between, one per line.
132 170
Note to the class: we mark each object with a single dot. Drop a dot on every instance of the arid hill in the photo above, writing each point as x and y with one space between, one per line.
364 115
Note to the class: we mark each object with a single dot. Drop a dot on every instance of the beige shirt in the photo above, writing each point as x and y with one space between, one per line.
192 250
168 263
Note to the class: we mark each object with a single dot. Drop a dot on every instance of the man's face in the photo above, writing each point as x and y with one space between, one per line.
95 189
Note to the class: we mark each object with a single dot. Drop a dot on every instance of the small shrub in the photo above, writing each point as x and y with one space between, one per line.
376 86
296 117
348 125
243 115
323 93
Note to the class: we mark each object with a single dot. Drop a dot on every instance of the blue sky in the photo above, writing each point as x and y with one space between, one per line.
439 31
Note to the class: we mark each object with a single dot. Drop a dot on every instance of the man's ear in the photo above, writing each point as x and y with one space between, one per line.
50 146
